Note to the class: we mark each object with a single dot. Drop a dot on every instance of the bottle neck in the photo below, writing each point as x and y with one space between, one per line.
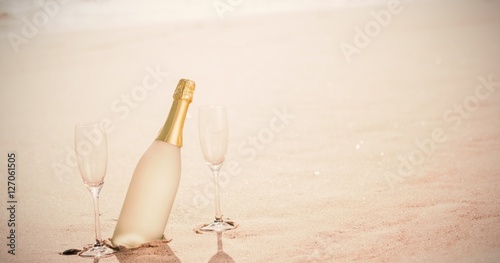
172 129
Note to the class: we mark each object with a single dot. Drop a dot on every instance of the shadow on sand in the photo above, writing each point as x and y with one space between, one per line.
220 256
161 252
153 252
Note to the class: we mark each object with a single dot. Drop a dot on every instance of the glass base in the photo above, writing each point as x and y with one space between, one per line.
218 226
97 251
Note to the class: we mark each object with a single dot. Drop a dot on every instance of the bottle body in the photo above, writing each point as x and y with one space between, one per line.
155 180
147 205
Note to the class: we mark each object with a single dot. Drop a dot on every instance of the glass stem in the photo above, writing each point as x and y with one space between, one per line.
95 198
218 215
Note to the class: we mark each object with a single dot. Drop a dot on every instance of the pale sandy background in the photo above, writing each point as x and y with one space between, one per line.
318 191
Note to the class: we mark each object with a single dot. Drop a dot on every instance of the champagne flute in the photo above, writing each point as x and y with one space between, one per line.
92 156
213 138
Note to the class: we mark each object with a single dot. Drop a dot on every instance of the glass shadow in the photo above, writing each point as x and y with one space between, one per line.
220 256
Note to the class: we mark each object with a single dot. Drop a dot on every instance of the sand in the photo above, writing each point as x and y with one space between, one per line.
376 160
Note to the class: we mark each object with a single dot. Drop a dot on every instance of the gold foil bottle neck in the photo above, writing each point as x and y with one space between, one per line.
171 132
184 90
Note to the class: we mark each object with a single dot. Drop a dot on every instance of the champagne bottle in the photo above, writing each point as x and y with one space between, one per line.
155 180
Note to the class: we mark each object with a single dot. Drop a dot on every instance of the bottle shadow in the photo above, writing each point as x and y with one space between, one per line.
220 256
157 252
